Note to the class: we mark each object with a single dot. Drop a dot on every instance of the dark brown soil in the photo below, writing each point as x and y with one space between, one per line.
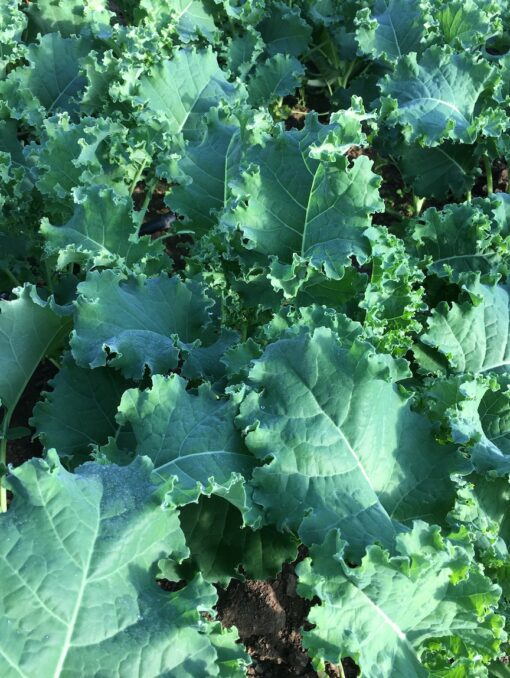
269 616
18 451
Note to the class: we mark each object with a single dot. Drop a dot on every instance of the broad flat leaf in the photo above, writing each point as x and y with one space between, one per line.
52 75
280 75
384 612
68 17
499 669
438 171
79 596
242 51
284 30
466 24
307 285
459 239
184 89
80 409
317 208
204 362
292 321
102 232
189 436
474 337
477 415
346 450
219 543
391 29
191 18
247 13
205 172
135 319
29 330
436 98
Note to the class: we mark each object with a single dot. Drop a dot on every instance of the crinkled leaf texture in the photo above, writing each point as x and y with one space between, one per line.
29 329
135 318
301 197
476 412
436 97
393 28
205 172
102 232
460 240
184 89
52 78
346 450
384 612
79 412
473 337
190 436
219 543
280 75
285 31
78 594
192 18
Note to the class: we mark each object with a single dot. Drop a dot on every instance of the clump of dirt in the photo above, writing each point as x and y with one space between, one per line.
269 616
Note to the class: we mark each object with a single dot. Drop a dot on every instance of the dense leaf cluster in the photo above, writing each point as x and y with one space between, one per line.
316 352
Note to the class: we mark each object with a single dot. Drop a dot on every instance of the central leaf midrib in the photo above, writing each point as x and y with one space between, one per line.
309 202
83 585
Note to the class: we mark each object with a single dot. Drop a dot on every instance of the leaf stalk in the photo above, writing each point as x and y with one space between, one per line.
3 459
488 173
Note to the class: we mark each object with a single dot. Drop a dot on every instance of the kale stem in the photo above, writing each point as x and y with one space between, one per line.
341 669
418 204
244 330
488 173
393 213
137 177
47 271
148 196
11 277
343 81
468 196
3 459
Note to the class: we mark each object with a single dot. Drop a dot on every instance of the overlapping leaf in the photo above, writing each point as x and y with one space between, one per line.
184 88
30 329
205 173
476 414
52 77
133 319
385 611
79 412
190 436
192 18
303 198
79 596
473 336
103 231
460 240
219 544
346 450
280 75
284 30
391 29
435 98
